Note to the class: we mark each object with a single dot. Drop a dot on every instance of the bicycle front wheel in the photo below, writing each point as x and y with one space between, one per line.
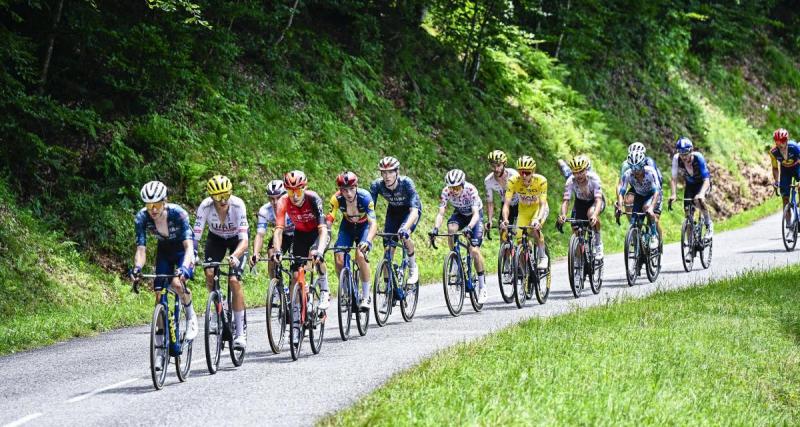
159 347
213 332
316 319
521 276
453 283
706 248
345 304
575 266
297 331
362 316
653 266
789 227
505 272
276 315
382 293
543 278
687 245
237 354
408 306
183 362
631 255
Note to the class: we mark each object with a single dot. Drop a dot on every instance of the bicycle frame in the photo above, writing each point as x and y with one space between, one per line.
457 245
172 325
388 255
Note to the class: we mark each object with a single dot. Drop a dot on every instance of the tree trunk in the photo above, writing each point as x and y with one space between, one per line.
51 40
563 29
468 46
288 24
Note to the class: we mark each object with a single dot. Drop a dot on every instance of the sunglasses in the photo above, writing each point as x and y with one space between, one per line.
157 206
297 192
525 173
221 197
456 188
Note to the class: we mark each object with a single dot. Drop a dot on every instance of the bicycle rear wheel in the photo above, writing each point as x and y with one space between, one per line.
362 317
687 245
575 266
596 275
316 319
382 293
345 309
237 354
706 248
276 315
543 278
453 283
505 272
183 362
298 327
653 266
632 255
159 347
789 228
408 306
213 332
521 276
474 294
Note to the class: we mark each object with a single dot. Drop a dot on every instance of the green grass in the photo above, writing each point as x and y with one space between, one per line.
723 354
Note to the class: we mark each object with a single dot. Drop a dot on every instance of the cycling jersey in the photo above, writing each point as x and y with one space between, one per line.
235 224
699 169
404 194
649 184
307 217
463 202
529 195
648 161
792 158
492 186
266 217
178 228
588 191
363 210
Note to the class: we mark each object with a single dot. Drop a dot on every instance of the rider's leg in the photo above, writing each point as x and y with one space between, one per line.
364 273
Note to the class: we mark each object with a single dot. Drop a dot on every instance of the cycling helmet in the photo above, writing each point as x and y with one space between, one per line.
636 147
780 135
346 179
579 163
684 145
526 163
275 188
219 184
454 178
295 179
389 164
498 156
153 192
636 160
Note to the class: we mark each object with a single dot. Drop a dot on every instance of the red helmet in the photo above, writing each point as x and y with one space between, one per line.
781 135
295 179
346 179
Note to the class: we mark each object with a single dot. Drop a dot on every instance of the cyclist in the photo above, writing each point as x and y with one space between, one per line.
467 216
403 210
266 217
304 208
691 165
785 153
637 147
226 217
174 253
533 208
497 182
589 200
646 192
358 225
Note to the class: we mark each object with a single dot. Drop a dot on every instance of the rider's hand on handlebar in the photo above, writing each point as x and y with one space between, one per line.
593 221
134 273
253 260
672 198
467 232
365 246
435 230
233 261
537 225
403 233
503 224
562 219
276 257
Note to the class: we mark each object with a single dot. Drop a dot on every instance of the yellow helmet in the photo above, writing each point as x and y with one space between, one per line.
526 163
498 156
579 163
219 184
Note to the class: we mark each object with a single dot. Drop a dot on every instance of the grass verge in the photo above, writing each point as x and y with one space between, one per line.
724 354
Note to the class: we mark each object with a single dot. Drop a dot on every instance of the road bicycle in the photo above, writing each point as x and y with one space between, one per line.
278 315
529 279
219 322
694 241
391 283
638 250
457 275
306 315
581 259
790 225
505 265
176 345
350 296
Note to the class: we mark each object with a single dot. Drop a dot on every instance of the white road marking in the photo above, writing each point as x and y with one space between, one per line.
23 420
100 390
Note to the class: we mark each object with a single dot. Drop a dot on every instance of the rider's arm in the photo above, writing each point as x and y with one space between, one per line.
244 234
188 253
413 214
489 200
140 256
415 202
564 207
704 173
330 218
439 216
476 216
199 223
280 224
544 207
323 238
775 170
372 220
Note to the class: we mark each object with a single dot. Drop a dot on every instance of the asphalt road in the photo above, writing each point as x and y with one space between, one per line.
105 380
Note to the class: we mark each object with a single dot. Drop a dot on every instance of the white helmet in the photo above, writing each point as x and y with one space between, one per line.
275 188
454 178
636 147
153 192
636 160
389 164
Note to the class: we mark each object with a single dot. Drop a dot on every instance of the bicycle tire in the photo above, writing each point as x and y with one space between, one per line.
237 354
706 250
653 265
183 362
408 306
473 295
575 266
505 272
543 290
159 375
789 233
520 276
316 321
345 304
631 253
687 247
276 315
453 283
296 301
596 275
382 293
362 317
213 341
